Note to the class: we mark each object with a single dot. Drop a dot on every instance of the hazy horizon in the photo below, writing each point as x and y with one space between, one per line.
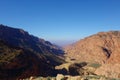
62 43
61 21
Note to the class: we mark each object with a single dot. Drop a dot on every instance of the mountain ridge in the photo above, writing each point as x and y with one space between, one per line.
23 55
102 48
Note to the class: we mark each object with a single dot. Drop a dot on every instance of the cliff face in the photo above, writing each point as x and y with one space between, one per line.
103 47
23 55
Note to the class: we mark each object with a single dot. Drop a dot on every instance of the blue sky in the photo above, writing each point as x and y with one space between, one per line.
61 20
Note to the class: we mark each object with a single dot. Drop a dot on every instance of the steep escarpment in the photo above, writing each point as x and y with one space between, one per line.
23 55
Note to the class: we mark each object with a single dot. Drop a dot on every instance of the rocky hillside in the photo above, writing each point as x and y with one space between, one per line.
103 48
22 39
18 63
23 55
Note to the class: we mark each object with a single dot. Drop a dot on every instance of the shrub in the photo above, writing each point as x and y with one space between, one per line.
95 65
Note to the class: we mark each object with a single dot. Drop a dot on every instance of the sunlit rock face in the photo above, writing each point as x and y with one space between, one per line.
103 47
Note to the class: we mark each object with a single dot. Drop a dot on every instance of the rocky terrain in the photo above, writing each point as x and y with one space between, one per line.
20 38
23 55
102 48
76 71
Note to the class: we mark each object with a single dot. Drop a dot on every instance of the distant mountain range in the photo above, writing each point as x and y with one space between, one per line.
23 55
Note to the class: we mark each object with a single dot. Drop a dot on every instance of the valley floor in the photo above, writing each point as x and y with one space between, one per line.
76 70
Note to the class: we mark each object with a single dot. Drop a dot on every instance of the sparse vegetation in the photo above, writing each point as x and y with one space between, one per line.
95 65
7 53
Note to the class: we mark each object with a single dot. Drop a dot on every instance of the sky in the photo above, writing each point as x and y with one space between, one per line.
61 21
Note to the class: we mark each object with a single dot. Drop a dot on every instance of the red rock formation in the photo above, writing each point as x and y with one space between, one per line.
103 47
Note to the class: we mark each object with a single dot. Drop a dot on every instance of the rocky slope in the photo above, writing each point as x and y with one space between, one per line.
23 55
22 39
103 48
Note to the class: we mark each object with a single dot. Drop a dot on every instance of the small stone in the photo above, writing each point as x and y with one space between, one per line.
59 76
31 78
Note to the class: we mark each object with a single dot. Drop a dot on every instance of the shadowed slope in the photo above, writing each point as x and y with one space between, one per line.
23 55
